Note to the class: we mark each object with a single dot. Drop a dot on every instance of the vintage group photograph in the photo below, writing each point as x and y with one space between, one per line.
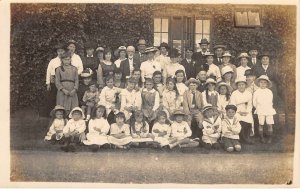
152 93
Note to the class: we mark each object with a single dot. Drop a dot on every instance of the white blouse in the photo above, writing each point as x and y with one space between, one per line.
243 102
76 61
53 64
99 124
263 102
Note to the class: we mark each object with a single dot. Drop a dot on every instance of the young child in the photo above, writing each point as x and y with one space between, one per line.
243 59
74 130
66 81
150 100
98 128
90 98
210 95
170 97
118 79
84 84
161 129
57 123
131 99
158 82
226 62
180 132
180 84
223 98
140 129
120 132
136 74
230 130
213 70
263 102
250 79
227 74
242 99
173 66
211 128
192 104
109 98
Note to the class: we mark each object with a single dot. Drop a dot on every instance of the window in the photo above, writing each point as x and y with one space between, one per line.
161 30
248 18
202 30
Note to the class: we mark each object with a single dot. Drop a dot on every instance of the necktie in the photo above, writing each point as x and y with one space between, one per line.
194 99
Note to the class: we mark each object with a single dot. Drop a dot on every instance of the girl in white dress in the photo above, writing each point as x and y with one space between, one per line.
223 98
170 97
140 129
161 129
180 84
98 128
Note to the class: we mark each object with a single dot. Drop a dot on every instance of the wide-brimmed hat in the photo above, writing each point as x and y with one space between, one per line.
57 107
226 69
142 42
263 77
178 112
210 80
249 72
206 107
101 49
86 73
192 80
204 41
164 44
76 109
264 54
208 54
227 54
219 46
173 53
239 80
150 49
222 83
121 48
243 55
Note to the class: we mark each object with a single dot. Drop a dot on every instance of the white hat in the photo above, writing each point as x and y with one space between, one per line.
222 83
243 55
100 49
208 54
76 109
226 69
207 107
210 80
86 72
227 53
131 48
151 49
240 79
263 77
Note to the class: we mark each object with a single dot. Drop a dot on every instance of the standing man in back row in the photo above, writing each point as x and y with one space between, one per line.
140 55
199 57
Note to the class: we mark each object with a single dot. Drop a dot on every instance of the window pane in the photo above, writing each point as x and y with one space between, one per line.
198 26
206 36
198 38
253 18
165 37
157 24
156 39
165 25
206 26
241 18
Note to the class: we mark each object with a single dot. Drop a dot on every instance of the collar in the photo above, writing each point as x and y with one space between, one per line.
130 58
90 56
151 91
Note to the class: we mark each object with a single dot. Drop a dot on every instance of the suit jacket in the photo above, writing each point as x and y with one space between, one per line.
250 63
189 69
187 101
271 72
125 69
199 58
139 59
216 62
92 63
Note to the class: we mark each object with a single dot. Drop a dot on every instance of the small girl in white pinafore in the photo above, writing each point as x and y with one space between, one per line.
120 132
170 97
211 128
57 123
180 84
210 95
98 129
140 129
223 98
161 129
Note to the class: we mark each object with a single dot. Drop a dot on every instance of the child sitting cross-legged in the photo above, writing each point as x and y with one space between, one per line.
161 129
74 130
231 129
211 128
180 132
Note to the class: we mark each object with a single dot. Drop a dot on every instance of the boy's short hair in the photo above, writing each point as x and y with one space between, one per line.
131 80
120 115
231 107
117 71
109 77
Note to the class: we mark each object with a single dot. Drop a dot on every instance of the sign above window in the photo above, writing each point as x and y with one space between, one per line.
247 18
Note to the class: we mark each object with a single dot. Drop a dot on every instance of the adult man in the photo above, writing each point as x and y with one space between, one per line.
199 57
253 60
129 64
189 64
219 51
140 56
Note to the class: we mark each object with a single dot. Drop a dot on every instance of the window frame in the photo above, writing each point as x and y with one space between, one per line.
161 32
247 9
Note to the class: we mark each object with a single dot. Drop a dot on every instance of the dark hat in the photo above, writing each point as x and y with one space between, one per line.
173 53
150 49
219 46
264 54
57 107
231 107
90 45
204 67
204 41
249 72
164 44
60 46
253 47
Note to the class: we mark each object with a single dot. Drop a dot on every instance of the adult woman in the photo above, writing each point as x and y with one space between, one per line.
243 59
226 62
76 60
106 67
122 56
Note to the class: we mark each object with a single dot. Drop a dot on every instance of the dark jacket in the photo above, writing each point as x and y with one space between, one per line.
189 68
125 69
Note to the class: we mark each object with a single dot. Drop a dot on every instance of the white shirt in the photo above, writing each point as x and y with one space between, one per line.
161 128
240 72
56 127
171 68
73 125
118 62
130 99
263 102
180 130
254 61
148 68
164 60
265 67
243 102
222 102
99 124
115 129
108 96
76 61
215 71
53 64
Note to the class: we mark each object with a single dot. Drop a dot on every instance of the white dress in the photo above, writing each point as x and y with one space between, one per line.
56 129
140 132
180 130
98 130
240 72
181 87
162 140
115 129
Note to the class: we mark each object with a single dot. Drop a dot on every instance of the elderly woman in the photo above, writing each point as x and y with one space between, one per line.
75 58
105 68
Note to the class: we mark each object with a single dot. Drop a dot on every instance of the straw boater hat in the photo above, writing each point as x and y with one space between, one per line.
76 109
57 107
71 41
219 46
121 48
226 69
220 84
243 55
208 54
207 107
263 77
204 41
210 80
101 49
239 80
150 49
192 80
227 54
86 72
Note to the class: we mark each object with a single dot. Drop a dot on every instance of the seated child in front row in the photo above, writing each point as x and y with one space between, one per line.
90 98
120 132
211 128
231 129
180 132
140 129
74 130
57 123
98 128
161 130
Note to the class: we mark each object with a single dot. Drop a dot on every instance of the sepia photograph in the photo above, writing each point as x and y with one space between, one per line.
152 93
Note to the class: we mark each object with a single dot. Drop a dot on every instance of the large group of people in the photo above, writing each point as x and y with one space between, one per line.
157 97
